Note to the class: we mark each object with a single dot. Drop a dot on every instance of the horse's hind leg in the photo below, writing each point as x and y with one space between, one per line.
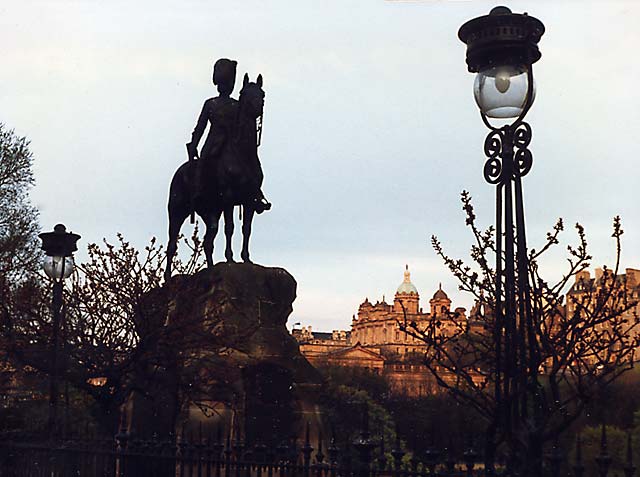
175 223
228 232
246 233
211 223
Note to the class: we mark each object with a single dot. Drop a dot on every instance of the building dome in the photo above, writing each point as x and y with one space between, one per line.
406 287
440 294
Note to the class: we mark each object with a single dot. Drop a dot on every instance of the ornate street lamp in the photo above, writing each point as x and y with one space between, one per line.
501 49
58 247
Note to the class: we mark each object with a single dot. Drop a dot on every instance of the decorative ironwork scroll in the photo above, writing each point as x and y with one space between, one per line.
523 159
507 144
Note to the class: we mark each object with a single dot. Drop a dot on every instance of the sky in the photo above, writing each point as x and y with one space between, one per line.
370 129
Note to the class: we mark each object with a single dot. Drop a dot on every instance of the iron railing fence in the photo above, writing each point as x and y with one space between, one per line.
185 456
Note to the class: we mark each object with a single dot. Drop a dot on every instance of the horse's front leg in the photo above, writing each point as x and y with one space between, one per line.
228 232
211 223
246 232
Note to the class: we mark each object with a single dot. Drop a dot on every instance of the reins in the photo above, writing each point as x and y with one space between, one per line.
259 129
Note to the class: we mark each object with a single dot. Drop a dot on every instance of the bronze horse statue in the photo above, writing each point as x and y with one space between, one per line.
229 181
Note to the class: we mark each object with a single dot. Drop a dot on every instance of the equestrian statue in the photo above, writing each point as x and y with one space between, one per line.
227 171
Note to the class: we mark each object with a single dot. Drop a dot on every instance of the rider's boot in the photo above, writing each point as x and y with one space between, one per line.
261 203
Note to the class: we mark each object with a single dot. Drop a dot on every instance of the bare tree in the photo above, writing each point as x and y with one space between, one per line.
113 327
576 347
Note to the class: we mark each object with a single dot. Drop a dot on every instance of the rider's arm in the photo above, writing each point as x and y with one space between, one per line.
201 125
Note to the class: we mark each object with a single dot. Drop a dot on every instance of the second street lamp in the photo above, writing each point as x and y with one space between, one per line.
58 247
501 49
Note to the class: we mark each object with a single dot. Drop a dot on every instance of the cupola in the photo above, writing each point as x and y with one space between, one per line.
407 295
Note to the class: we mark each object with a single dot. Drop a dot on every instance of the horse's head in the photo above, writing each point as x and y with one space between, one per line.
252 97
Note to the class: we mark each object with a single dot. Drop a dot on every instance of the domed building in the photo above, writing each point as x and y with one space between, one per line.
379 325
377 341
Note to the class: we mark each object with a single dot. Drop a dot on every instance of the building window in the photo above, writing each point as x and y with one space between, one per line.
397 336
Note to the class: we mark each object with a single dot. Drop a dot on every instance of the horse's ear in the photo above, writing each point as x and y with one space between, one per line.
259 81
245 80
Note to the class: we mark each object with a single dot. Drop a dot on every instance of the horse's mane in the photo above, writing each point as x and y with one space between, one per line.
242 103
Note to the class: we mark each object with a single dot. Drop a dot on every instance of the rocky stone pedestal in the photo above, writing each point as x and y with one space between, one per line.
217 341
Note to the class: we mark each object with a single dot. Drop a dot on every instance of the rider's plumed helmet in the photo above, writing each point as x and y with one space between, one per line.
224 71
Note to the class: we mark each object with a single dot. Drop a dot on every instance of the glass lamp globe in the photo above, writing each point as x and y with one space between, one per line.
501 92
53 267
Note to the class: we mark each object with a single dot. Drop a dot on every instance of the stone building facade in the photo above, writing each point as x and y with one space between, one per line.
377 342
379 325
589 292
586 284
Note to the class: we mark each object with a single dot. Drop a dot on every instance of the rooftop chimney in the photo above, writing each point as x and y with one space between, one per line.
583 275
633 277
598 273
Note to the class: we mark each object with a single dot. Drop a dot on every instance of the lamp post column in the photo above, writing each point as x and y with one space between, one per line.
514 335
509 159
55 371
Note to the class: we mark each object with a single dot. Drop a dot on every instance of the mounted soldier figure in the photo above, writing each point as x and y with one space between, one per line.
221 113
227 172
